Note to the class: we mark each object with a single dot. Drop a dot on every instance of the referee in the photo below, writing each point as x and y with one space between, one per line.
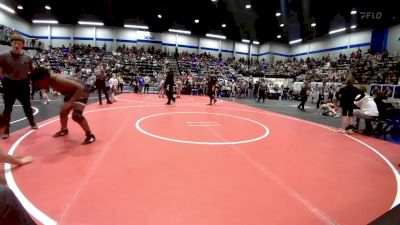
15 69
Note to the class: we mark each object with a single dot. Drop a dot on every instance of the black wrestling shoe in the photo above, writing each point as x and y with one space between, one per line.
61 133
89 139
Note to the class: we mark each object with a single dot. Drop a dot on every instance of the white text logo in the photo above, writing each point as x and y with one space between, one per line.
371 15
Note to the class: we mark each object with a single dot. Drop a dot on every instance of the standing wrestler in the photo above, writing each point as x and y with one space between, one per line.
76 96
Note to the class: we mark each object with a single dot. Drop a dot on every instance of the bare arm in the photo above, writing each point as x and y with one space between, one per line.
6 158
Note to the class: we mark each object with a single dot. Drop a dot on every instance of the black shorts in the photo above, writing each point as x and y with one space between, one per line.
347 110
82 99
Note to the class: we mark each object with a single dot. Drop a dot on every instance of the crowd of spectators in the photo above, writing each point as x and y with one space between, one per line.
139 67
7 32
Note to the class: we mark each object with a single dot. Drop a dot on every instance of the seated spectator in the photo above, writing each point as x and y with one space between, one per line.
379 96
367 110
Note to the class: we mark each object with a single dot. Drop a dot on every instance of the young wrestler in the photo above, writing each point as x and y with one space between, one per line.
76 96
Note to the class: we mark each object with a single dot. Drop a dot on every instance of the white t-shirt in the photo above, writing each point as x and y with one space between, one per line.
113 82
147 80
368 106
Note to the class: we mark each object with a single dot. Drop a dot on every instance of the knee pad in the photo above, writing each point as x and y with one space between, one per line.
77 116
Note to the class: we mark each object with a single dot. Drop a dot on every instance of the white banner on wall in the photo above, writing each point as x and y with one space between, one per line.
145 35
279 81
314 85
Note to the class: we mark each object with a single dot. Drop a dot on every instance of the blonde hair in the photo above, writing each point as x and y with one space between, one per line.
363 89
17 37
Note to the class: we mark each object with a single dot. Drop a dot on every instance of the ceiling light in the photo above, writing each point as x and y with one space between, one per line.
353 12
313 24
337 31
136 27
282 25
213 0
278 14
248 6
353 27
278 36
45 21
47 7
256 42
159 16
20 7
245 41
223 25
90 23
179 31
8 9
295 41
196 21
216 36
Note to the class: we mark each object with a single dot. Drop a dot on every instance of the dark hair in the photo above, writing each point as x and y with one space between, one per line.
39 73
350 81
379 95
3 120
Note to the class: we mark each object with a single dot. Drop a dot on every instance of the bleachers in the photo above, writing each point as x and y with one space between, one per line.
147 68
